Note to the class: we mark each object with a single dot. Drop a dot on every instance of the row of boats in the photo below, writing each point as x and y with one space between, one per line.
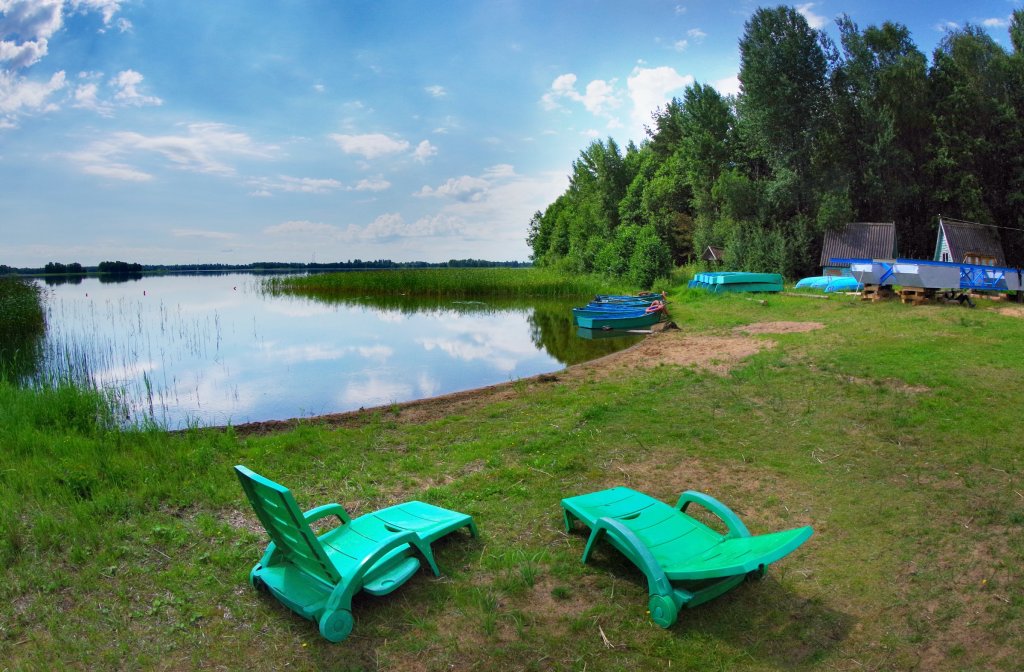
612 311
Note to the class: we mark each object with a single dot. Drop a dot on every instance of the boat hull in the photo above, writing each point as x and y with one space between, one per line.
618 322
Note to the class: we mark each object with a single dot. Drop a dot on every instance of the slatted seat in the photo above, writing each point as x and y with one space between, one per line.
317 576
686 562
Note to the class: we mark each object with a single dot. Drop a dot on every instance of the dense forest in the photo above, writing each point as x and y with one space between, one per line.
820 135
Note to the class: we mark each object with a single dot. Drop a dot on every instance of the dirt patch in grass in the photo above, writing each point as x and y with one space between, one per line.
893 384
779 327
1011 311
719 354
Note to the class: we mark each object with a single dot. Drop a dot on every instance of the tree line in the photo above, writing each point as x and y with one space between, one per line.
132 268
821 134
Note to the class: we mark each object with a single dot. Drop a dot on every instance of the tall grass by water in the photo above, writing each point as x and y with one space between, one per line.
447 282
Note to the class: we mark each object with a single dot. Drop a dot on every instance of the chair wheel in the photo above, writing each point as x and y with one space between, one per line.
335 626
663 610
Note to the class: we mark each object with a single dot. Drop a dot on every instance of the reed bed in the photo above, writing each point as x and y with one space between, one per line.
21 309
452 283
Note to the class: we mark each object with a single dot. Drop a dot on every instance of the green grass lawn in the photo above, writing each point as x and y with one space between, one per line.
894 431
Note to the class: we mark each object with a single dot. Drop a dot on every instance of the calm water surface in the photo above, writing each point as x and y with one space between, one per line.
214 349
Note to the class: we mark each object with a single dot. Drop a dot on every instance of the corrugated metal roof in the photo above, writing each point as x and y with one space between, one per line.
864 240
965 238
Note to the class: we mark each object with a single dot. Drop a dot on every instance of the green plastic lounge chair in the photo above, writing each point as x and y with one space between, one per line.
317 577
686 562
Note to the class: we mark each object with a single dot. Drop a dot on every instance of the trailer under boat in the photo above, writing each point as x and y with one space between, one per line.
934 274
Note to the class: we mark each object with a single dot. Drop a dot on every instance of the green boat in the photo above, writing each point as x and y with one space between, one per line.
610 321
738 281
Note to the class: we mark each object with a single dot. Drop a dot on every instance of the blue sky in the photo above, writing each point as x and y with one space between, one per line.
322 130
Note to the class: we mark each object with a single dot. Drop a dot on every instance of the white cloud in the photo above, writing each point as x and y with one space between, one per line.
680 45
729 86
598 98
947 25
108 8
305 185
650 88
205 148
18 94
26 27
424 151
815 21
697 34
370 145
996 22
378 184
197 233
127 82
319 88
86 97
500 170
301 228
463 188
35 22
436 91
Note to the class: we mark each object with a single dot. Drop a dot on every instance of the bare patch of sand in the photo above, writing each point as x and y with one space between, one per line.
1011 311
778 327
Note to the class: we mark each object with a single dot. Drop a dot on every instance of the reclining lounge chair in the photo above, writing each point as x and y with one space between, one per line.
317 577
686 562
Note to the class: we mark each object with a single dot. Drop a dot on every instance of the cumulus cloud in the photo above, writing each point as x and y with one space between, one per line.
650 88
108 8
377 184
424 151
127 82
204 148
436 91
729 86
947 25
26 28
680 45
816 21
996 22
18 94
301 227
599 96
464 187
370 145
35 22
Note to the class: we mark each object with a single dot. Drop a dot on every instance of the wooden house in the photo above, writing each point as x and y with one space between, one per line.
714 255
857 240
968 242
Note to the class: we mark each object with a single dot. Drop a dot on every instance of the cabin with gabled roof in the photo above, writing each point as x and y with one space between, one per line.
857 240
714 255
962 242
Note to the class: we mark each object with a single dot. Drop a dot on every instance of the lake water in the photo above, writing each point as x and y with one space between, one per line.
185 350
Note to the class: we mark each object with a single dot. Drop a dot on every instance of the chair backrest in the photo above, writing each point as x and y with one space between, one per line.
287 527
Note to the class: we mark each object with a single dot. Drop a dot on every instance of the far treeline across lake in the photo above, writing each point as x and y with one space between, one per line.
821 134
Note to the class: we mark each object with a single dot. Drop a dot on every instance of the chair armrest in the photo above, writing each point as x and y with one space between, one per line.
732 521
327 510
353 583
634 549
